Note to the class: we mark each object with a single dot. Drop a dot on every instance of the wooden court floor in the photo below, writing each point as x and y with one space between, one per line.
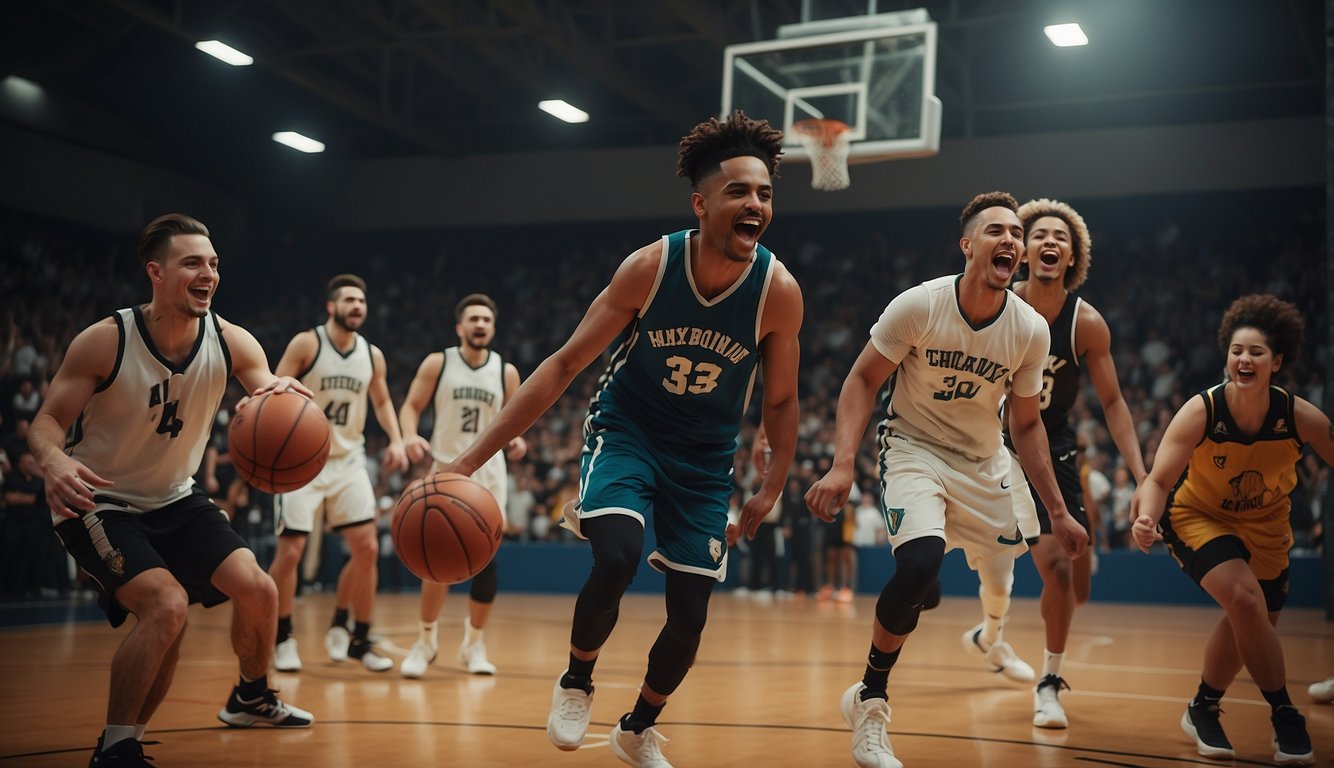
764 691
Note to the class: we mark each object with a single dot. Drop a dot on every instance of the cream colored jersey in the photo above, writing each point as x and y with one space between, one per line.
145 428
466 401
342 383
951 375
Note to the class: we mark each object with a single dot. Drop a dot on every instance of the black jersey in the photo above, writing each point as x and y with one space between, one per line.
1060 377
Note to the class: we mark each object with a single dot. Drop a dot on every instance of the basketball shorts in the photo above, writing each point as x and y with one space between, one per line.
342 490
1034 519
685 492
927 490
1200 541
114 543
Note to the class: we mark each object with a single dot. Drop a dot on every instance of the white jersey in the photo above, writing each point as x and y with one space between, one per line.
952 376
341 383
146 427
467 400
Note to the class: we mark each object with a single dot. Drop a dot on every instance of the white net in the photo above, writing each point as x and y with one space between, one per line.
827 143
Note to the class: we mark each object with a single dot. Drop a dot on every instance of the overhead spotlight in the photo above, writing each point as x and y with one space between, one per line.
21 90
298 142
223 52
563 110
1066 35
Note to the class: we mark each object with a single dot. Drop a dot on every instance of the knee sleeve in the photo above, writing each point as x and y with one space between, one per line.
485 584
618 543
916 573
673 653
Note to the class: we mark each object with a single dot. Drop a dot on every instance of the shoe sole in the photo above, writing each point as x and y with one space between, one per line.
1204 750
1054 725
249 721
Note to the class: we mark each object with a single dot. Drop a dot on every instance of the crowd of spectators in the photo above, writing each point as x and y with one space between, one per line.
1163 272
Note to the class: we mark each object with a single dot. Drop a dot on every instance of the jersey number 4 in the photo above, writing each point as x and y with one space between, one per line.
680 381
169 423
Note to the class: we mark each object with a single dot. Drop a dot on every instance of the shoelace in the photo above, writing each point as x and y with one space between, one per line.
572 708
871 731
651 743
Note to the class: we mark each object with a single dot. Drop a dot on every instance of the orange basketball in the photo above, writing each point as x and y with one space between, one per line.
279 441
446 528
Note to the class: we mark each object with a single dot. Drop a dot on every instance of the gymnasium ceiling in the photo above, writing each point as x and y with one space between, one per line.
396 78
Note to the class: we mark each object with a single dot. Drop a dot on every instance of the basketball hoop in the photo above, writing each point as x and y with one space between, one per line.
827 143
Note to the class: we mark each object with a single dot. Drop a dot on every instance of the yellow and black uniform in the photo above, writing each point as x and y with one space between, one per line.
1233 500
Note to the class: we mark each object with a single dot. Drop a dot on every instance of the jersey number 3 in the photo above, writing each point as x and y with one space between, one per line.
679 380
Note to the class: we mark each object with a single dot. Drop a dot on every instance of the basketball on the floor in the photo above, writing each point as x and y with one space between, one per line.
279 441
446 528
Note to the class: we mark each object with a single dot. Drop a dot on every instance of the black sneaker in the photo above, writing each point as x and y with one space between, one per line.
265 710
1202 724
1292 745
126 753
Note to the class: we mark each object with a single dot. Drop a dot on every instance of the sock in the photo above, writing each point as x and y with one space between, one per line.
116 733
361 631
644 715
340 618
1051 663
876 679
429 633
580 674
139 731
1277 698
284 628
250 690
471 634
1207 696
991 630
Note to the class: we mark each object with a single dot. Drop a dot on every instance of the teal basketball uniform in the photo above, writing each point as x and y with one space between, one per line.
661 430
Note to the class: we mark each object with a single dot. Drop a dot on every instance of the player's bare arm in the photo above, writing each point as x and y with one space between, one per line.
1150 500
395 455
419 397
299 355
1030 442
91 357
855 402
517 447
613 309
250 365
780 356
1096 338
1314 427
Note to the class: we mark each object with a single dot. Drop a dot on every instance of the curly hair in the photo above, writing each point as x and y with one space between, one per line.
1082 246
981 203
704 149
1280 321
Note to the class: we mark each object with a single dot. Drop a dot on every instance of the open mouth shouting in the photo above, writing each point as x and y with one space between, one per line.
747 229
1003 262
201 292
1049 257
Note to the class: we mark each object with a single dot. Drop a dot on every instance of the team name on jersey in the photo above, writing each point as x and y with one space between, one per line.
1055 363
340 382
691 336
474 393
958 360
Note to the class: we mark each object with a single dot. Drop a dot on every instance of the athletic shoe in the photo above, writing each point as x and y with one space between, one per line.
1047 709
419 658
336 641
285 657
473 659
571 709
1203 725
126 753
826 592
371 660
844 595
1292 744
999 656
868 720
1323 691
642 750
265 710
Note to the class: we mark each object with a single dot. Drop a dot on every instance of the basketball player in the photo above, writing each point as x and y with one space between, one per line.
951 344
345 371
693 316
468 385
1058 252
123 427
1226 521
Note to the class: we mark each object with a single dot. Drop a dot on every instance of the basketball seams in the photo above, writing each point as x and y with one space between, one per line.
448 549
273 476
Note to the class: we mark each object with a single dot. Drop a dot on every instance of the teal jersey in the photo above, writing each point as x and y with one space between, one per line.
682 372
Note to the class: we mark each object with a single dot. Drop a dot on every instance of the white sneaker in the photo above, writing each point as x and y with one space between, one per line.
571 709
642 750
285 657
336 641
1323 691
374 662
473 659
1047 709
419 658
999 655
868 720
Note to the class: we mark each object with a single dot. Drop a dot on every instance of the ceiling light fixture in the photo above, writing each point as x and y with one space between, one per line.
1066 35
298 142
220 50
563 110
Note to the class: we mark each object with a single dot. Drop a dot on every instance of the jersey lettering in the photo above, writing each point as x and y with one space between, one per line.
168 423
336 412
705 380
957 390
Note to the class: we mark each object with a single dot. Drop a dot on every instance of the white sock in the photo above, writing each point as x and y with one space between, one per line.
1051 663
139 731
429 633
991 629
116 733
471 634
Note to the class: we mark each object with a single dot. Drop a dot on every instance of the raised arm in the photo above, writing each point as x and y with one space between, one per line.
1094 333
395 458
1185 431
419 397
